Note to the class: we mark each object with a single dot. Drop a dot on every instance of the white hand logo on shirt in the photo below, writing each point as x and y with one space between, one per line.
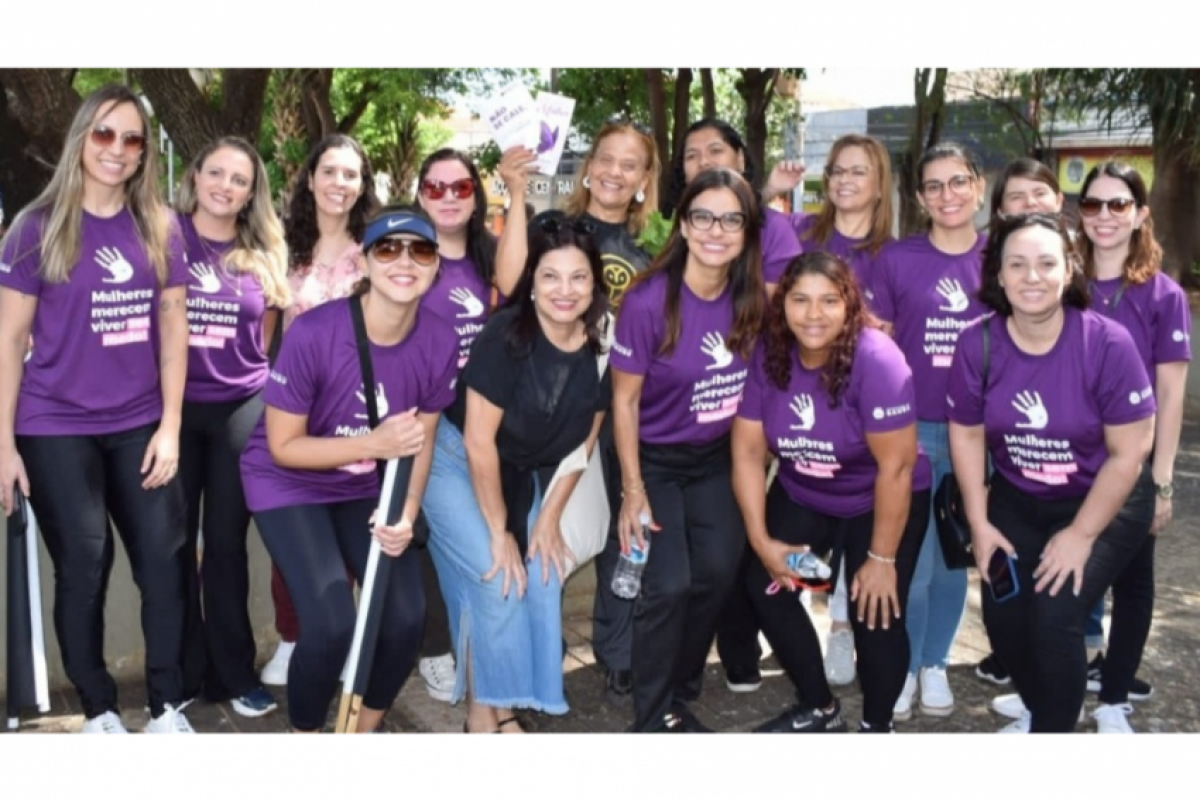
118 268
472 307
381 403
802 406
713 346
209 282
1030 404
953 292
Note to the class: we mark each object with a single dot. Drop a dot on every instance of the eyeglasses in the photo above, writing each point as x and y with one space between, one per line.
1092 206
959 184
103 136
560 223
852 174
623 119
702 219
420 252
436 190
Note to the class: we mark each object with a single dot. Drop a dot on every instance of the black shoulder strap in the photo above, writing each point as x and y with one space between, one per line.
276 338
368 373
987 350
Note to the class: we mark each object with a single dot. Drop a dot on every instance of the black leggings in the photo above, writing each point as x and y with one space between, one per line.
882 653
75 483
311 545
1039 638
218 641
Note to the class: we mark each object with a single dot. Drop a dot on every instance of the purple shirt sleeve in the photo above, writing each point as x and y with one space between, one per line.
441 392
1123 390
1174 325
883 303
886 398
177 266
635 340
752 398
291 386
779 245
964 386
21 259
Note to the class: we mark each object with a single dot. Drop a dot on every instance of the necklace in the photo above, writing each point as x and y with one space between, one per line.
217 263
1110 301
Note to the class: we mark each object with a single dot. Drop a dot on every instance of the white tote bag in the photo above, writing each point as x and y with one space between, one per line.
585 518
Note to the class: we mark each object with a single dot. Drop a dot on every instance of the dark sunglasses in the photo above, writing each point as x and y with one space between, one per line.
420 251
436 190
702 219
131 142
1092 206
623 119
559 224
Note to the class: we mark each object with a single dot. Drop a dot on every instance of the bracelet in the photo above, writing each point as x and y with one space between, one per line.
877 557
637 488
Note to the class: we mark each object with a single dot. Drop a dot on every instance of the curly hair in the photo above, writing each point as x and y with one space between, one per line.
1145 254
300 224
780 343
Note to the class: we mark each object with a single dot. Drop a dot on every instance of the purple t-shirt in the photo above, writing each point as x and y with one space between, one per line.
852 251
779 245
226 358
1155 313
318 375
928 296
94 366
691 395
460 297
824 461
1044 415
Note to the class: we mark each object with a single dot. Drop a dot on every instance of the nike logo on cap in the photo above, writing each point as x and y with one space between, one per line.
394 222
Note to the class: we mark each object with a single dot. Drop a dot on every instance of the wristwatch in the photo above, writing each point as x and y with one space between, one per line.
1165 490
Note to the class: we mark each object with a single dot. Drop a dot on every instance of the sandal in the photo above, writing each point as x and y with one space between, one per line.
509 721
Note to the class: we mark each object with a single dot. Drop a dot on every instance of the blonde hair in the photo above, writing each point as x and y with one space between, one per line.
578 202
60 205
259 249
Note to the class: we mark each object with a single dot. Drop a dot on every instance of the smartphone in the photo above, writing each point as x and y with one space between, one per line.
18 520
1002 576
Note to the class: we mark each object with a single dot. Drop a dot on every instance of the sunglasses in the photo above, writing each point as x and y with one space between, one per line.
702 219
131 142
420 252
623 119
1092 206
436 190
559 224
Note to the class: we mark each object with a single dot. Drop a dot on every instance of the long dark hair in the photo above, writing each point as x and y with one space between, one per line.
729 135
1075 293
780 343
300 226
555 231
1145 253
481 244
745 273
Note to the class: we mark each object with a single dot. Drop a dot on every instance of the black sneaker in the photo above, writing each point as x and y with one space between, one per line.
866 727
681 720
990 669
742 680
1138 688
620 682
798 719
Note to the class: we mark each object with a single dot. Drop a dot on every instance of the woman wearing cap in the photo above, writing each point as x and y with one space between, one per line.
1067 416
529 396
89 427
333 196
237 258
616 194
310 466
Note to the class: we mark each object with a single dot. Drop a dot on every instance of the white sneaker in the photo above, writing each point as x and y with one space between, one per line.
839 657
108 722
1113 718
439 676
936 698
1009 705
276 671
1022 725
171 720
903 708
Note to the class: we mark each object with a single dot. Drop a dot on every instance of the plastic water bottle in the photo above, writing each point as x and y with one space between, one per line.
809 566
627 577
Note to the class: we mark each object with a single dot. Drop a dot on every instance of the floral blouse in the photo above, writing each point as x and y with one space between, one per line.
313 285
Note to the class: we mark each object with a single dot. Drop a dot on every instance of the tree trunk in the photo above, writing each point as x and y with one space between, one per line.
928 116
244 93
1175 203
708 92
757 86
682 111
319 120
180 107
658 124
36 109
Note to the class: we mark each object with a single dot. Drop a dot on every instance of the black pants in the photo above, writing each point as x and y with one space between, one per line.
882 653
218 641
691 568
76 482
1132 615
1039 638
436 641
311 545
612 616
737 629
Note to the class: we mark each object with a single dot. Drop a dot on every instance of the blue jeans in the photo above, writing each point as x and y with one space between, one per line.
937 596
514 646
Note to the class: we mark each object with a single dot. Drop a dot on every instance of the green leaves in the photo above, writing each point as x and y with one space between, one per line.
657 231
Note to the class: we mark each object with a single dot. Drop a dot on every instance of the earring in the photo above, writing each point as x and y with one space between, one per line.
587 181
640 197
533 296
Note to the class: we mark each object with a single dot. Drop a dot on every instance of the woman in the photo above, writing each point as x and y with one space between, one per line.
93 269
925 289
310 467
683 339
1066 414
831 396
332 198
529 396
450 190
854 223
237 261
1124 264
617 193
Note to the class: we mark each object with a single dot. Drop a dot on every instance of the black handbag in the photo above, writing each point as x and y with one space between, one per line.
949 513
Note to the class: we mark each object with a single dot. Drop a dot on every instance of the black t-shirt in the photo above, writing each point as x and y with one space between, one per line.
620 255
